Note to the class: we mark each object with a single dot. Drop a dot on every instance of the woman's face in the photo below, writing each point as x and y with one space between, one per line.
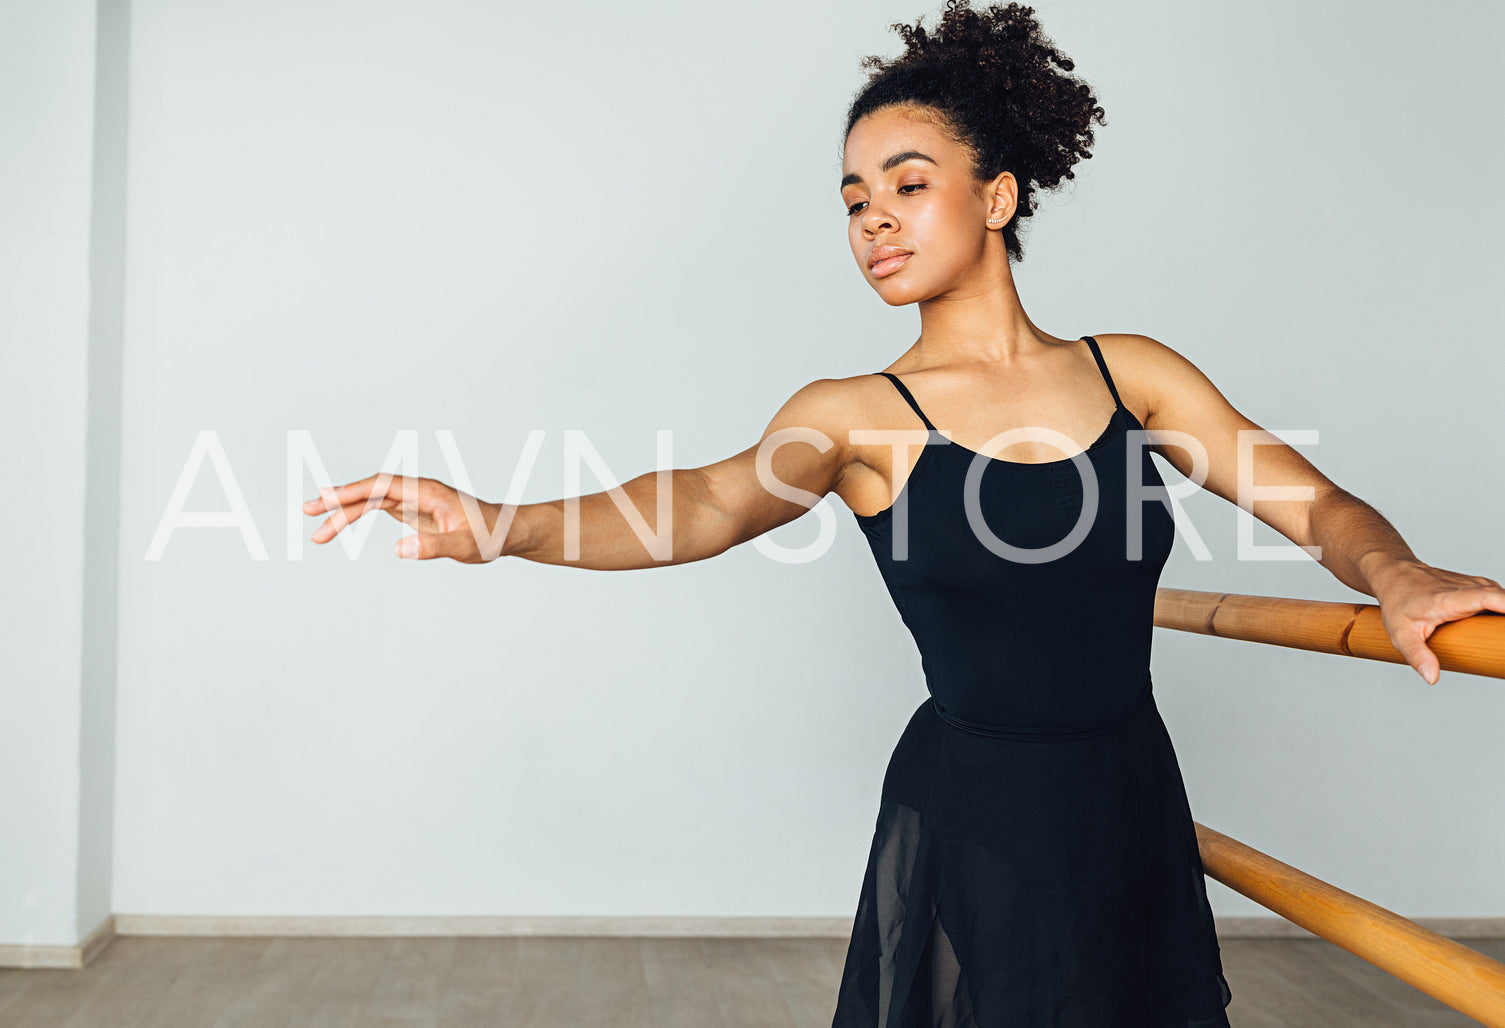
908 187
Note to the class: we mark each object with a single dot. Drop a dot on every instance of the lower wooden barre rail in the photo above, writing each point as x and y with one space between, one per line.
1464 979
1474 645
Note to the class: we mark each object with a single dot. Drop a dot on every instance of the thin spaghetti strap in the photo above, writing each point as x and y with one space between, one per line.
905 393
1097 355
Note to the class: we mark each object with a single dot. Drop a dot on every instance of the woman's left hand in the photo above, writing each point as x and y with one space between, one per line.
1415 598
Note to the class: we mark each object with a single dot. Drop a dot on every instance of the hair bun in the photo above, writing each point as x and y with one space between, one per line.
1003 88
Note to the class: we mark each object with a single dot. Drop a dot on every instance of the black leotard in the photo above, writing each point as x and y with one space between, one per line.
1034 862
1009 640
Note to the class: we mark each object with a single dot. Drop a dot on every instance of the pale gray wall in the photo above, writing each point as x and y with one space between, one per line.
359 219
63 69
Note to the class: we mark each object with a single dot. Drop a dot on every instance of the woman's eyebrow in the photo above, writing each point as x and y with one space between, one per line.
889 165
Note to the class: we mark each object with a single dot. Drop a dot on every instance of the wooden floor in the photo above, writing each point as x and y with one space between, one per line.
582 982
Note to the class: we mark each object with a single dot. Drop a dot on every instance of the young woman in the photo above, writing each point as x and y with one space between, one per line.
1035 860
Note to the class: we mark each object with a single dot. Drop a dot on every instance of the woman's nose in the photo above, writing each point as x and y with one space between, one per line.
874 220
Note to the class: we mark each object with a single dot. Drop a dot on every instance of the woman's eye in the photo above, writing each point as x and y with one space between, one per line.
913 185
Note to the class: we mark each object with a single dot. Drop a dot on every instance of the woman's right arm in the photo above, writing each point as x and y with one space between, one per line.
709 509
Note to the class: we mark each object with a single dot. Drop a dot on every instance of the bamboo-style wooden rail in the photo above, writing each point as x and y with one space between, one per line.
1473 645
1463 978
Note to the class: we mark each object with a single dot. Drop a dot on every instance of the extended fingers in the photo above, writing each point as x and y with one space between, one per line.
414 505
382 483
346 514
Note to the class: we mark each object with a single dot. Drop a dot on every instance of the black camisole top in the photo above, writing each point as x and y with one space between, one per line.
1030 587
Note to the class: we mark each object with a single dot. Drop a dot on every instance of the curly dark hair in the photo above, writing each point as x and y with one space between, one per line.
991 78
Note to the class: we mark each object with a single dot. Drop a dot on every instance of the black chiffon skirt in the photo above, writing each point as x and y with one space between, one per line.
1048 882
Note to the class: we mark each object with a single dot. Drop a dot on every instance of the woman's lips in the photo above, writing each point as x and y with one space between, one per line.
891 265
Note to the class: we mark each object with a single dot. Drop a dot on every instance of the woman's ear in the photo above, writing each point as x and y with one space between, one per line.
1004 193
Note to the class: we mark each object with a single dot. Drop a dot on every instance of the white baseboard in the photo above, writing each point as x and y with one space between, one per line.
750 927
28 956
25 955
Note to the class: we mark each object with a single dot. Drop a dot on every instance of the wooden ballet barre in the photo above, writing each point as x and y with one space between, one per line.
1474 645
1463 978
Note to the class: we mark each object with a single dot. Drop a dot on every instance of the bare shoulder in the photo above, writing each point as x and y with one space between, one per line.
832 406
1147 371
840 410
825 412
1195 428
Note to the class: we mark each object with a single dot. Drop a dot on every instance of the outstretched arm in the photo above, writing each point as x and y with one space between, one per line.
1359 547
799 458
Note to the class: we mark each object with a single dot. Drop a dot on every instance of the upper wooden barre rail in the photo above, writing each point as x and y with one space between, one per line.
1474 645
1463 978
